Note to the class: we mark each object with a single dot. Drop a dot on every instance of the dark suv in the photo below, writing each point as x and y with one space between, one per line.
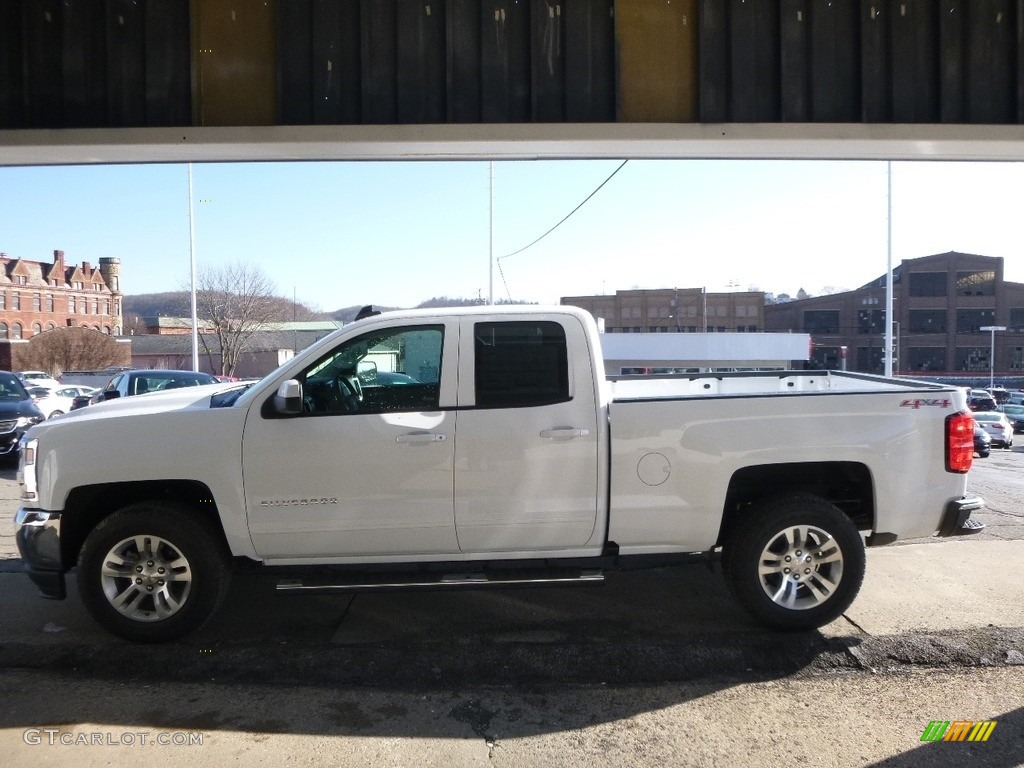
18 412
981 403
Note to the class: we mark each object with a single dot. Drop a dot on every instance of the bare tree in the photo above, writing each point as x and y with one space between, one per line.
72 349
238 301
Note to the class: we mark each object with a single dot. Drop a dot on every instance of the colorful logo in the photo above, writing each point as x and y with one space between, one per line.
958 730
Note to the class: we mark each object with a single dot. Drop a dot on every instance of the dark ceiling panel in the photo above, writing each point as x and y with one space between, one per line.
754 62
378 20
337 54
992 46
463 61
84 63
42 49
547 49
126 71
590 61
915 62
505 62
168 65
876 85
836 55
294 27
421 61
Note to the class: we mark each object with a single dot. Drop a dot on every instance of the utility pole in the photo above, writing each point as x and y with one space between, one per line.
192 265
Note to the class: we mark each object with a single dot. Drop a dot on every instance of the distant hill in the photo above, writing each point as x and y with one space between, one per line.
178 304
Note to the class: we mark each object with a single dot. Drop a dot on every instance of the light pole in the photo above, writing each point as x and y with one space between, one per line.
992 352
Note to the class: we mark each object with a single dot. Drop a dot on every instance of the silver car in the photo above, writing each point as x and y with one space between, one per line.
997 426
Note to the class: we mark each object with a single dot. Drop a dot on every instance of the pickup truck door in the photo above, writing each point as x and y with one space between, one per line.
367 468
526 457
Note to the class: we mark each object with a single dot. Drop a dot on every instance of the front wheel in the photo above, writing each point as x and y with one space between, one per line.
795 563
153 571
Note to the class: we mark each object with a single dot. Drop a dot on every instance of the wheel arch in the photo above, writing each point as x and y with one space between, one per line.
846 484
88 505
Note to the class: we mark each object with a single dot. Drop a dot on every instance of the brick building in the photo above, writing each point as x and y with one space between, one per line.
940 305
38 296
675 310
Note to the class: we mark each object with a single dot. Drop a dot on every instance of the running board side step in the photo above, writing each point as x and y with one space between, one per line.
475 579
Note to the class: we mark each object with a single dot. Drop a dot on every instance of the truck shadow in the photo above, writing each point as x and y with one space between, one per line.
524 661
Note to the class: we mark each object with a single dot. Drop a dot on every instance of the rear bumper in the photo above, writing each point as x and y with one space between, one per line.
38 537
956 514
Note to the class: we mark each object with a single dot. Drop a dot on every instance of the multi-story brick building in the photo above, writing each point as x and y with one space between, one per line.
37 296
941 303
675 310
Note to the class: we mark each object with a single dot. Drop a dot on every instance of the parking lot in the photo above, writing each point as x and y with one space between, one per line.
653 668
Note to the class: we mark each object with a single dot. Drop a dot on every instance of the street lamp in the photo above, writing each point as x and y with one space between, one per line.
992 353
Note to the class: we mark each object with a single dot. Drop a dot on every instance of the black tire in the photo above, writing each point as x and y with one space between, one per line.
807 529
168 570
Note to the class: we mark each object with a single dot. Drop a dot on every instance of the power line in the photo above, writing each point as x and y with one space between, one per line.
568 215
560 223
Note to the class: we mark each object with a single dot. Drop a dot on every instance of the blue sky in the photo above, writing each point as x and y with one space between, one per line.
395 233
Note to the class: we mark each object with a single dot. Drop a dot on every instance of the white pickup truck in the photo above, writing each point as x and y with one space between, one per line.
485 446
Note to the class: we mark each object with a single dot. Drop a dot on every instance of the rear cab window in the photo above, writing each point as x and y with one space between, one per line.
520 364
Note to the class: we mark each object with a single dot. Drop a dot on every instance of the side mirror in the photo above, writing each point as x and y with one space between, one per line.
367 371
288 400
110 394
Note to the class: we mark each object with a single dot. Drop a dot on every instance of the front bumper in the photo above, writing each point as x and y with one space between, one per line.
38 537
956 514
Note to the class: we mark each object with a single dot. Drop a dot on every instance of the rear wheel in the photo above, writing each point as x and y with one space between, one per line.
153 571
795 563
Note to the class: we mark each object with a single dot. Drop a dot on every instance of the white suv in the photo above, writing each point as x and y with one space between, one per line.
38 379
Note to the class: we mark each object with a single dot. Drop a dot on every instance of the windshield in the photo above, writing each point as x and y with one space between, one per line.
11 388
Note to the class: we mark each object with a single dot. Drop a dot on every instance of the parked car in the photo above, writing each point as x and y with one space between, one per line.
999 394
37 379
141 382
982 442
54 402
997 426
982 402
1014 414
17 413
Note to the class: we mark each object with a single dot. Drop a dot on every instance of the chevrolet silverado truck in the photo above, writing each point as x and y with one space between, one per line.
479 447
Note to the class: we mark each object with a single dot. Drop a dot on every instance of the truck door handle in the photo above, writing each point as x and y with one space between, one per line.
420 438
565 433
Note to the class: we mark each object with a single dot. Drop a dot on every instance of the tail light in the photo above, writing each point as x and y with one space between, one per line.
959 442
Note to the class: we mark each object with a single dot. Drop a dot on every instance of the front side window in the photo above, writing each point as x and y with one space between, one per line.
520 364
386 371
